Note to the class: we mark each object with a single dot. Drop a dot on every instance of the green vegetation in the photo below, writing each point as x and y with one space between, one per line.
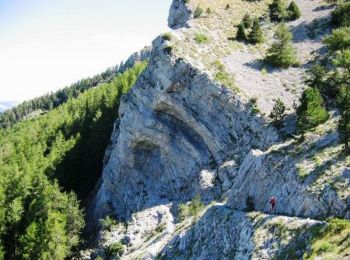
191 209
114 250
247 21
167 36
342 61
294 12
341 15
168 49
280 13
241 35
201 38
278 113
222 76
334 81
256 35
282 53
48 102
198 12
254 103
311 111
331 241
108 223
339 39
43 160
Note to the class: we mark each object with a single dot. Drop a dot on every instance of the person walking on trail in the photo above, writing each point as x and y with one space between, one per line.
272 202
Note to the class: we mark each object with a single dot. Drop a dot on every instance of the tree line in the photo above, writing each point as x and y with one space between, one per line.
50 101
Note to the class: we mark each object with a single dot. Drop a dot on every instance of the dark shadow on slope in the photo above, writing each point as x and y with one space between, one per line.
311 31
82 166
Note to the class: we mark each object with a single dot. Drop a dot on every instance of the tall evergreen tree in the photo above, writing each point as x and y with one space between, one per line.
248 21
282 53
278 113
256 34
342 61
278 11
294 12
241 35
311 111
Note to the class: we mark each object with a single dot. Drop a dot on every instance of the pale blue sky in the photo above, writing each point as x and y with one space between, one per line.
48 44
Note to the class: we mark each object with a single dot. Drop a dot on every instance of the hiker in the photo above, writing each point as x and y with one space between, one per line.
272 202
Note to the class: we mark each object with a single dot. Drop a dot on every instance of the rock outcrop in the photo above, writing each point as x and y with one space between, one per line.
174 123
184 132
179 14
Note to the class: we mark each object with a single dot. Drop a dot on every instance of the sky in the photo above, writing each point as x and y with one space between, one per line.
49 44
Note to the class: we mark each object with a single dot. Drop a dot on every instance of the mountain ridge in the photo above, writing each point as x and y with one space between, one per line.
194 126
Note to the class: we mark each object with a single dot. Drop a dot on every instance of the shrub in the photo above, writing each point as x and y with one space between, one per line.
201 38
191 209
311 111
108 223
114 250
282 53
209 11
256 35
247 21
167 36
278 11
294 12
254 103
198 12
341 15
339 39
278 113
241 36
168 49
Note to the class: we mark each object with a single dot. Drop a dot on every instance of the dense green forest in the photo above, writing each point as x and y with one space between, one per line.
52 100
48 164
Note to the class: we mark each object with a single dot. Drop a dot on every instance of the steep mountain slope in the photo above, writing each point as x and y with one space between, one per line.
197 123
47 164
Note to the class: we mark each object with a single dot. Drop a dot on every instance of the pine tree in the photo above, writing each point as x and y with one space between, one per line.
256 35
241 36
278 113
282 53
278 11
294 12
248 21
311 111
342 61
344 122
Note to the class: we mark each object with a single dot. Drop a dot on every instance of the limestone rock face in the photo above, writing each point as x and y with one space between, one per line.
175 123
186 128
179 14
262 175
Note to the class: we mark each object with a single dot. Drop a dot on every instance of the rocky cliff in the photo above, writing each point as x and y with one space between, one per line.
196 123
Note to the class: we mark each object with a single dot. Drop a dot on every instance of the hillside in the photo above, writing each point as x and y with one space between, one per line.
202 144
229 139
49 165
